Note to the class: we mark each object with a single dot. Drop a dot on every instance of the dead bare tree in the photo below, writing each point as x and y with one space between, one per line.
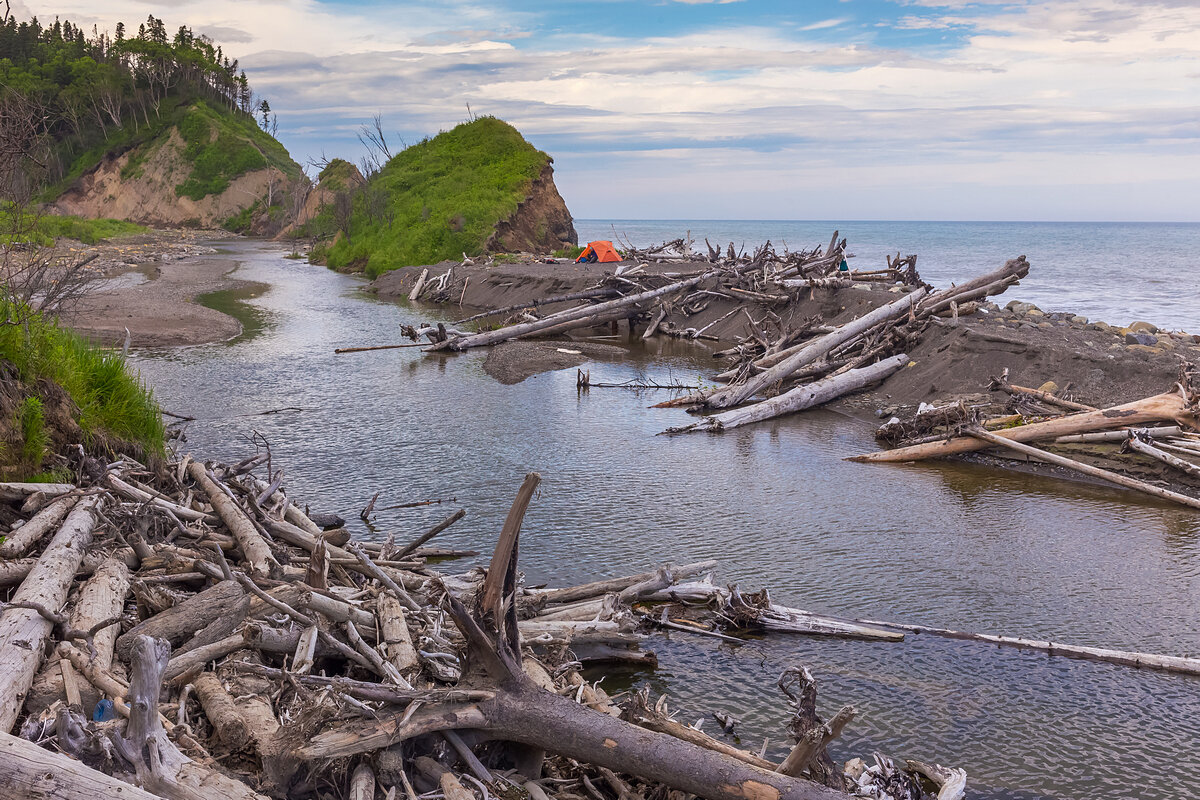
379 152
34 277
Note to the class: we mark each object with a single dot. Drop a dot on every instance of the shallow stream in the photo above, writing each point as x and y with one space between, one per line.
949 545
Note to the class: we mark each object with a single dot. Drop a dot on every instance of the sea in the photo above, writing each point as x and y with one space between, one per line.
1115 272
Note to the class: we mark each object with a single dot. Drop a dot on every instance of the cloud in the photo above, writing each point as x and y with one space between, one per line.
1065 93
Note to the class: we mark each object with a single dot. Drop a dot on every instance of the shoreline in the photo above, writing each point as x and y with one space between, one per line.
1097 363
161 310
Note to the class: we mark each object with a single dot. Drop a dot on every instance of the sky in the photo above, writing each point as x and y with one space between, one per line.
751 109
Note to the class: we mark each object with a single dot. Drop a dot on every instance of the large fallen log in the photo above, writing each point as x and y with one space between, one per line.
255 548
1169 407
24 630
514 331
18 543
808 395
1087 469
36 774
739 393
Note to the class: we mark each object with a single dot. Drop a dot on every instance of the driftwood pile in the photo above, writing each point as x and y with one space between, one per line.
778 367
188 631
1161 432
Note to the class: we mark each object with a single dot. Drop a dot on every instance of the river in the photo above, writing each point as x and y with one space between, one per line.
951 545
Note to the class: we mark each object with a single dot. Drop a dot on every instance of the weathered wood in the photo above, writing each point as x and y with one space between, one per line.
1169 407
587 591
494 584
805 396
1186 467
429 534
178 623
11 491
142 496
951 782
19 542
32 773
222 711
981 286
160 766
397 642
362 784
418 286
755 384
513 331
1087 469
254 548
23 631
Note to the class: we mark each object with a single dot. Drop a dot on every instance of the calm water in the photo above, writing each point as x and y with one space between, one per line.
946 545
1115 272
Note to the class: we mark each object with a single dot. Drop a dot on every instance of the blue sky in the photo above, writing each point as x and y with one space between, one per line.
858 109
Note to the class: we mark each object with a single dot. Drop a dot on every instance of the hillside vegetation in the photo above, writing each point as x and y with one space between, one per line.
138 123
435 200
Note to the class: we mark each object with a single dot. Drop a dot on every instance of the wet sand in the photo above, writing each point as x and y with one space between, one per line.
161 311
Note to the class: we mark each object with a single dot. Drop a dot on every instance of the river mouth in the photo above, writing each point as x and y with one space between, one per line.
952 545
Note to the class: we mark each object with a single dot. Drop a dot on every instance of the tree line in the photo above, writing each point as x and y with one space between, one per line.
94 88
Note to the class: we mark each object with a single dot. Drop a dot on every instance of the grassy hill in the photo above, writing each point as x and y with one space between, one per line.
437 199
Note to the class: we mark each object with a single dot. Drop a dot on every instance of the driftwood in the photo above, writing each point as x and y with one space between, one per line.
1168 407
23 628
1087 469
805 396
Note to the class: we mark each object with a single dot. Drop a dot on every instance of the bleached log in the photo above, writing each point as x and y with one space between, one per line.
1186 467
1168 407
137 495
241 723
254 548
585 591
11 491
23 631
805 396
18 543
36 774
513 331
397 642
418 286
982 286
1087 469
362 784
1120 435
101 598
951 782
739 393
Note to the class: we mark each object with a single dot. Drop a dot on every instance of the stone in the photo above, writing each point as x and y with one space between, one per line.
1102 326
1143 327
1020 309
1050 387
1141 348
1146 339
1078 320
1035 312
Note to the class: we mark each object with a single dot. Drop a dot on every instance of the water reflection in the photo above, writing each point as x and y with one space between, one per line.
962 546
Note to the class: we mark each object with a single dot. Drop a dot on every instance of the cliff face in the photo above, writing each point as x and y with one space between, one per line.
207 170
541 223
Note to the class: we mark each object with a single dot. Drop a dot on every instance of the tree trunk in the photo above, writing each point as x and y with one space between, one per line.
178 623
739 393
800 398
513 331
23 631
32 773
1160 408
254 548
18 543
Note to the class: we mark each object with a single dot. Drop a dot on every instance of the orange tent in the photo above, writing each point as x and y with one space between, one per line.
599 251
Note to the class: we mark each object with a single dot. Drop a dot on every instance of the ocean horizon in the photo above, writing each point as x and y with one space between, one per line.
1115 272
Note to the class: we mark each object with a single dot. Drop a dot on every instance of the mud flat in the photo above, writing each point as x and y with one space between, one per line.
156 300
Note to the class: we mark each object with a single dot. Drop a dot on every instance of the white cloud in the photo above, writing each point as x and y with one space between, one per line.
1096 93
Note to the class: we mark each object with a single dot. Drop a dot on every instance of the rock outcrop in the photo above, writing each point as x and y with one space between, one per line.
541 223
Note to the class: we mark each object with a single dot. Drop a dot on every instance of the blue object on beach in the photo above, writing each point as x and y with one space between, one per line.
843 267
104 711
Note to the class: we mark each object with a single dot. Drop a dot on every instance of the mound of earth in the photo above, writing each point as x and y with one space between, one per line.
513 362
211 168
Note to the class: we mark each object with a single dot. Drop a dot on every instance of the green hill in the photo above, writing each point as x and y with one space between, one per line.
442 197
142 128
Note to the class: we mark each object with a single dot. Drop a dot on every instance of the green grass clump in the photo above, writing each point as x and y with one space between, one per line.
43 230
569 252
220 147
338 175
111 403
34 439
439 198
